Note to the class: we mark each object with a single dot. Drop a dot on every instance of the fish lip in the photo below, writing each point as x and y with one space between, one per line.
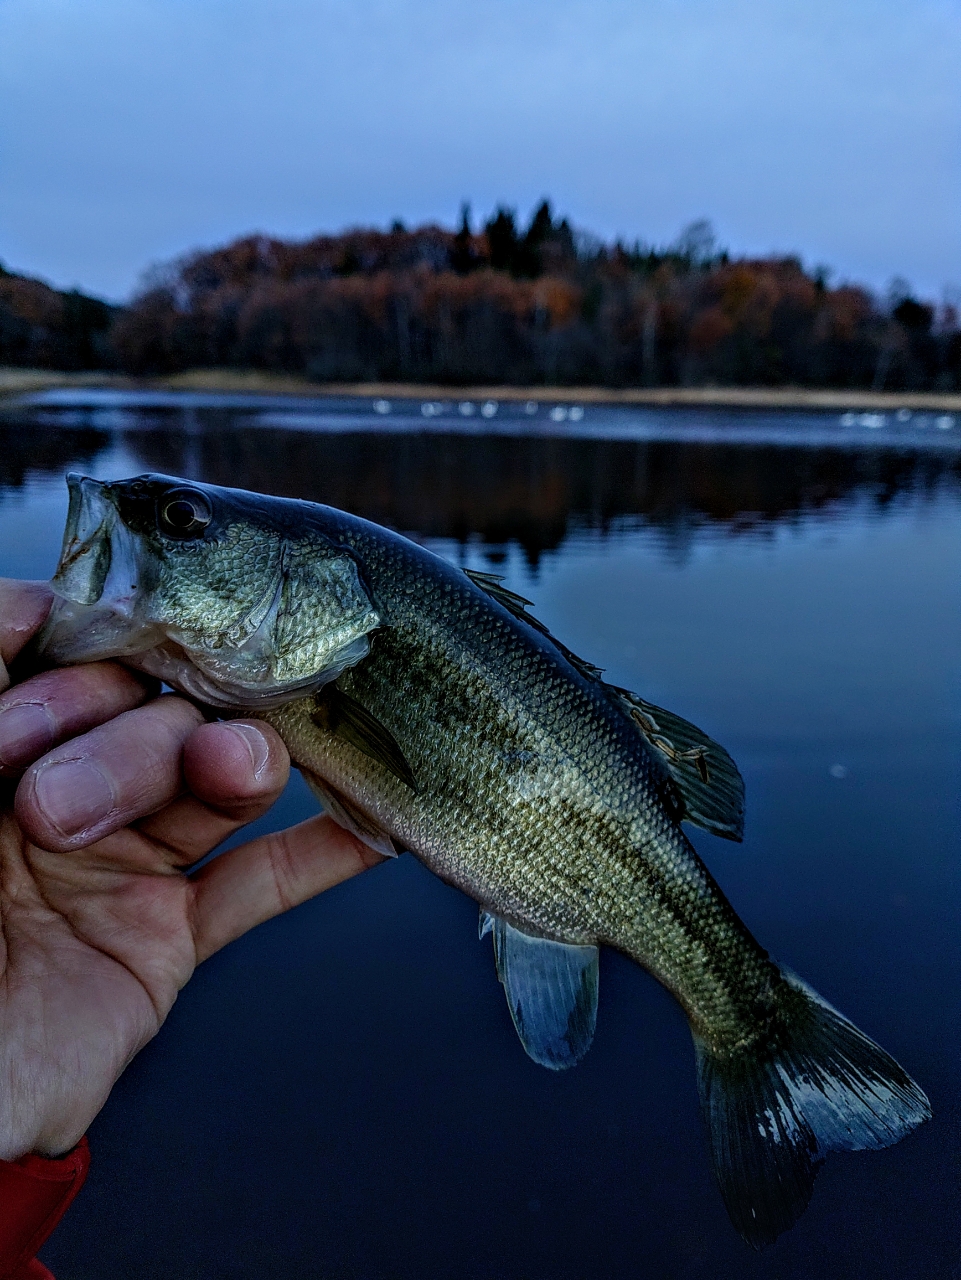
96 597
98 558
86 553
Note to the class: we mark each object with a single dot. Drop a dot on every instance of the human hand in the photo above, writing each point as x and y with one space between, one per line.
99 927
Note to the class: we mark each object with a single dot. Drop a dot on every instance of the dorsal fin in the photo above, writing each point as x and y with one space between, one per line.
517 605
711 788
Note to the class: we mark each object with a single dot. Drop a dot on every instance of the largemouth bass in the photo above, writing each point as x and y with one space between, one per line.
431 712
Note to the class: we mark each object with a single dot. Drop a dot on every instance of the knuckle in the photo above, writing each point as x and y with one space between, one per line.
282 863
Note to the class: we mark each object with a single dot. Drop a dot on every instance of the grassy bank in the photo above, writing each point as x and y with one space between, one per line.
14 382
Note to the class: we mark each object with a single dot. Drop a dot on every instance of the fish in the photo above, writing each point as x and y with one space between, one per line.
431 712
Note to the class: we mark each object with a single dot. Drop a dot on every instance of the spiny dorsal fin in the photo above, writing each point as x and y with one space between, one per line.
711 788
517 605
339 713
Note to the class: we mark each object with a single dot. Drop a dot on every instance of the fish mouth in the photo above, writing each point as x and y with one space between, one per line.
96 583
85 556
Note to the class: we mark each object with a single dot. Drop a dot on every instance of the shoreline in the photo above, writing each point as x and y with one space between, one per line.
15 382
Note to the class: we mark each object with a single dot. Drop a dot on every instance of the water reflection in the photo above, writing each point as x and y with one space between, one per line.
532 491
340 1093
27 451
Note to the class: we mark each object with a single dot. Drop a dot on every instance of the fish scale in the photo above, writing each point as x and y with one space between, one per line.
432 712
531 869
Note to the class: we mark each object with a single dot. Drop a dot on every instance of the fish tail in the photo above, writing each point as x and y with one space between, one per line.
773 1111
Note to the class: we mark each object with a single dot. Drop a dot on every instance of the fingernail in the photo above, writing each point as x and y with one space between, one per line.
25 733
256 744
73 795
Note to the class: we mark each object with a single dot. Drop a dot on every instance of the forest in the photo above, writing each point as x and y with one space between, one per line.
45 328
503 303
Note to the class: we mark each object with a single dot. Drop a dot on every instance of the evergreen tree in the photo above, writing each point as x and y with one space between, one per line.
528 260
502 239
916 317
463 259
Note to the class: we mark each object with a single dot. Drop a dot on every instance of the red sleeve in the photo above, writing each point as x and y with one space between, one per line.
34 1195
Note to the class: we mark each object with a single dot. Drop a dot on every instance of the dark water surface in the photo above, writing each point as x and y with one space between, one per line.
341 1094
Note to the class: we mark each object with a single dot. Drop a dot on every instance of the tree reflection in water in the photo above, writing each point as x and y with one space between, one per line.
535 492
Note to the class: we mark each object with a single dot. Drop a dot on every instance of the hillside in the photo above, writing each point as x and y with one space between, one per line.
46 328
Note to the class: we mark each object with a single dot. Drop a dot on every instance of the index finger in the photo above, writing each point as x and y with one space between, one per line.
41 712
110 776
23 611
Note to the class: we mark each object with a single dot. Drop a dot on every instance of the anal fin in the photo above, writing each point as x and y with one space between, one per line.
349 817
551 990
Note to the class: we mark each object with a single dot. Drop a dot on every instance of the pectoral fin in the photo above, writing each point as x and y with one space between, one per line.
711 789
349 816
551 992
339 713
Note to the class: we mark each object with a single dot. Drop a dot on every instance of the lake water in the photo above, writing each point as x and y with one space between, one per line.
341 1094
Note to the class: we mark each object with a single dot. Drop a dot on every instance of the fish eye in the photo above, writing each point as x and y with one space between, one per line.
184 512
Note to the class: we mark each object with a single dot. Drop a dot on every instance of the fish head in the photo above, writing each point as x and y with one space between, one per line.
236 599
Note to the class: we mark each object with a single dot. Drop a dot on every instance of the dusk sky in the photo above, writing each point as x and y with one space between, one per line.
134 130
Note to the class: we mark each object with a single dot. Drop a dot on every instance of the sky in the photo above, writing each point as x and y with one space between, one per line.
132 131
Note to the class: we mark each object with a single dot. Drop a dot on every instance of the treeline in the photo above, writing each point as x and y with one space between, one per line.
46 328
528 305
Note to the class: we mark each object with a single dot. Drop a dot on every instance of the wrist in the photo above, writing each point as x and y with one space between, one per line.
34 1194
68 1163
48 1143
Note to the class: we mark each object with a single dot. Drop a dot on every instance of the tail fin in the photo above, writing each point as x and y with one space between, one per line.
775 1110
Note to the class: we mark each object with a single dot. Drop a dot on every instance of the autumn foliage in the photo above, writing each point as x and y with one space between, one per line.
527 306
46 329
